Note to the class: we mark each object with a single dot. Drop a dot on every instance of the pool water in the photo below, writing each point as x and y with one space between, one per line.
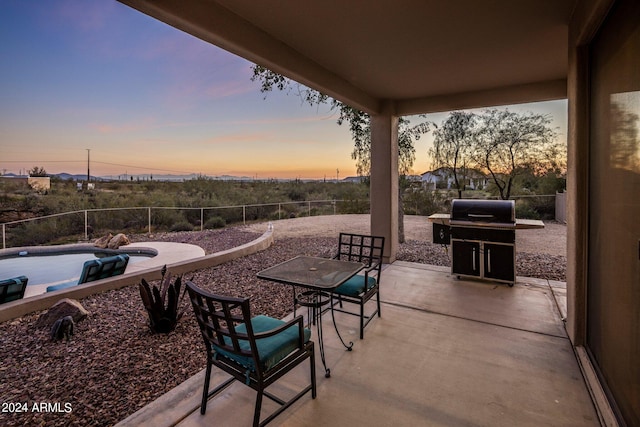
50 269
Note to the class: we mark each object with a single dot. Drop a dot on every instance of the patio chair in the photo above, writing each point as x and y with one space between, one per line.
97 269
12 289
362 287
257 351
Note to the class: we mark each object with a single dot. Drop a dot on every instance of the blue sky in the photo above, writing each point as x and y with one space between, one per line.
147 98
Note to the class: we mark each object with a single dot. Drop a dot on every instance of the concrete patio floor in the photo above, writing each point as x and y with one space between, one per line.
446 352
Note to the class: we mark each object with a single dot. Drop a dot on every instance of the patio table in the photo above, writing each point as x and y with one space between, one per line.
319 277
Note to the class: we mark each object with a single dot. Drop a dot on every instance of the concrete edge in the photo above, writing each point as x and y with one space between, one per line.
598 395
172 407
439 268
175 405
14 309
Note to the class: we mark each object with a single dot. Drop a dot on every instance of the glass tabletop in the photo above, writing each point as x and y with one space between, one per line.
312 272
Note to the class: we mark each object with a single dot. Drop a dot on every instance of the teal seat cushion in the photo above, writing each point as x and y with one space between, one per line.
355 286
272 349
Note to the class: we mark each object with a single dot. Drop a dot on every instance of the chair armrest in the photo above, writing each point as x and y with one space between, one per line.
374 266
296 320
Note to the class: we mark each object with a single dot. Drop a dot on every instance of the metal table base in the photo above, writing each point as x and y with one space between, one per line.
314 301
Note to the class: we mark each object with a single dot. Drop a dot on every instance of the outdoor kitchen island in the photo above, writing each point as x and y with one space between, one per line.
482 235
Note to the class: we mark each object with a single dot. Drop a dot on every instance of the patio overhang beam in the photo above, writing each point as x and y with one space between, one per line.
507 95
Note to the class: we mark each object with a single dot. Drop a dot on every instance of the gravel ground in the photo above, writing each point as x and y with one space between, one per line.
114 365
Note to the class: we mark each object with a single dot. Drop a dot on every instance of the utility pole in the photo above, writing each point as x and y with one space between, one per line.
88 172
337 175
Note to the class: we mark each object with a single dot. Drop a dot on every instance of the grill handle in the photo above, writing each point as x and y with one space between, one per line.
474 259
480 215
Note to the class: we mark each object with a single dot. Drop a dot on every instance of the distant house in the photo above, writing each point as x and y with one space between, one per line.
431 179
38 183
443 178
354 179
413 178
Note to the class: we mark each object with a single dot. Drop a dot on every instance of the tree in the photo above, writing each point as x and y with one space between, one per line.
624 137
501 143
452 144
359 125
507 144
37 171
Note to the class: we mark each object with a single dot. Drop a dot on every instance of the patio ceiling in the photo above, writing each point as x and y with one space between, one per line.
417 55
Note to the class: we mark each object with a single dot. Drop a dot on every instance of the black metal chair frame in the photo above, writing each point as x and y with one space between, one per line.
13 289
367 250
218 317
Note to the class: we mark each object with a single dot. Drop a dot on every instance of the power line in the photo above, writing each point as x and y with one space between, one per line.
94 162
141 167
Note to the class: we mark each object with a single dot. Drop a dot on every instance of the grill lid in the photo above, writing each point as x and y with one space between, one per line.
491 212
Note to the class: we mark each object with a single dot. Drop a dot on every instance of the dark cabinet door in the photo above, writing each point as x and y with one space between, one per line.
499 262
466 257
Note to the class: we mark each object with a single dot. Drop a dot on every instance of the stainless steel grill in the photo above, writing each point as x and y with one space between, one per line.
483 239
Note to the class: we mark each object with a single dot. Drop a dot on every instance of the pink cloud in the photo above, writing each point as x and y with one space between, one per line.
88 17
228 88
283 120
238 137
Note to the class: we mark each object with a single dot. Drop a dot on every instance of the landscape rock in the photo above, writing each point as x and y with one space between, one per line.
64 307
62 328
103 242
118 240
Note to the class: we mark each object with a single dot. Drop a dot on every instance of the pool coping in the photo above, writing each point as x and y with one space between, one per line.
14 309
74 248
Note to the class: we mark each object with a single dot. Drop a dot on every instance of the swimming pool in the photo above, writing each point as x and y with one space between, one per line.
54 267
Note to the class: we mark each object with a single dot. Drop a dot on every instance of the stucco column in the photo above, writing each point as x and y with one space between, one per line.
578 195
384 180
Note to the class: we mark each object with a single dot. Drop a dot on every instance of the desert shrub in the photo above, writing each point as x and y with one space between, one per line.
192 215
525 210
290 210
353 206
215 222
230 215
322 210
545 207
181 226
297 194
418 201
164 219
40 232
278 214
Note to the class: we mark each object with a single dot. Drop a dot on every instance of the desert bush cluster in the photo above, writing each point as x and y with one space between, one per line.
134 207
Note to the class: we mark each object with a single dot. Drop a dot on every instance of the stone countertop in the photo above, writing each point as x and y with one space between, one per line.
521 224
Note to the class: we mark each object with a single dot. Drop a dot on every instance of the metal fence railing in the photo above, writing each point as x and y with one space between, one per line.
84 222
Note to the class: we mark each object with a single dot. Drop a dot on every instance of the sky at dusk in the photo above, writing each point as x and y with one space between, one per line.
146 98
